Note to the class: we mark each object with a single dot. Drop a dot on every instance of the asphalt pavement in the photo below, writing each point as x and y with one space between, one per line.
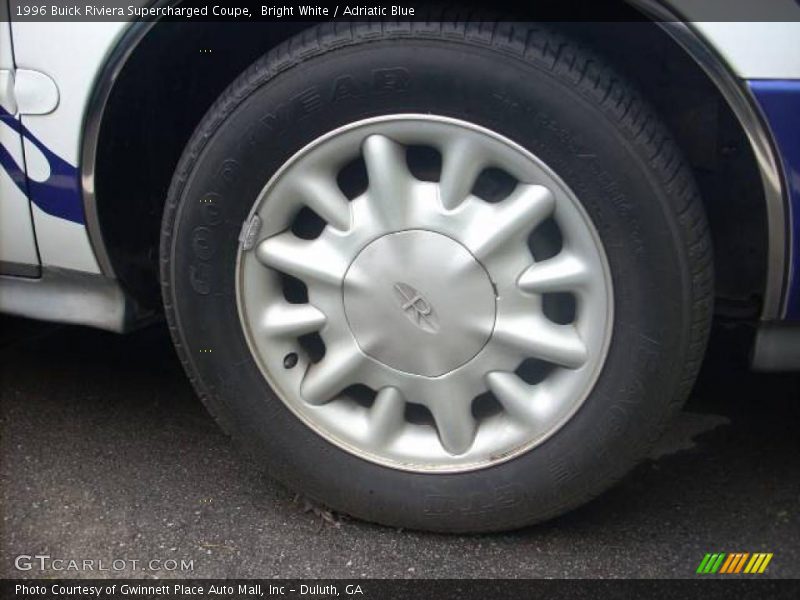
106 454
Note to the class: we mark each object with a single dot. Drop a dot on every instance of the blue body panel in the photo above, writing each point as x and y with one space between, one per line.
780 103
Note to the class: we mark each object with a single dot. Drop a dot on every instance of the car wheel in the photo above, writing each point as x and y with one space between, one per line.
448 277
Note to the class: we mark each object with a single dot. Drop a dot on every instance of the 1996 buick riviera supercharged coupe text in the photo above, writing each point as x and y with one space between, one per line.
443 275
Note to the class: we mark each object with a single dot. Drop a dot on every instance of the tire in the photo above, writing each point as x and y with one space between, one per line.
555 100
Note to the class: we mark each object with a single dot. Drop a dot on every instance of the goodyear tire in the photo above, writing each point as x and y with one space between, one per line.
340 399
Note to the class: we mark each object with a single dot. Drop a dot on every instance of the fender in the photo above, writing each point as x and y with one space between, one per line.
733 90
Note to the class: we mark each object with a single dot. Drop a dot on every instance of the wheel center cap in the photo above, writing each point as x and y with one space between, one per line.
419 302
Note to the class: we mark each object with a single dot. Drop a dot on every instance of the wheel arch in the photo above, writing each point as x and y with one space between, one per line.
125 172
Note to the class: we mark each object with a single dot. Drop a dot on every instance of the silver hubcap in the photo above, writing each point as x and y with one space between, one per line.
420 325
419 302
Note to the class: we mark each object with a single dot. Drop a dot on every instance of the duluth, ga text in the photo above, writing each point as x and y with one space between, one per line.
263 590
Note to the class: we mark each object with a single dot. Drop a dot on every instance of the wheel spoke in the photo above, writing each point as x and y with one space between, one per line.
339 368
454 422
303 259
562 273
524 209
292 320
386 417
536 337
514 395
462 162
325 198
389 179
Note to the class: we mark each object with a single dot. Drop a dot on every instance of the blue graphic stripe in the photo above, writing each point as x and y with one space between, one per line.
780 103
6 160
60 194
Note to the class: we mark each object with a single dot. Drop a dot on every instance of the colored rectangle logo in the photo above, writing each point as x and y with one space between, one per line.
734 563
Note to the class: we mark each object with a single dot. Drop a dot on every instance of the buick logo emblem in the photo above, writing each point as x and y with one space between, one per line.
418 310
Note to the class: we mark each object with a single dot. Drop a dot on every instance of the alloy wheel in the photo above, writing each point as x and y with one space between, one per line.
424 293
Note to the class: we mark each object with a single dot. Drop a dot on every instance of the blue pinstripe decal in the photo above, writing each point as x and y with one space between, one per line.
60 194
